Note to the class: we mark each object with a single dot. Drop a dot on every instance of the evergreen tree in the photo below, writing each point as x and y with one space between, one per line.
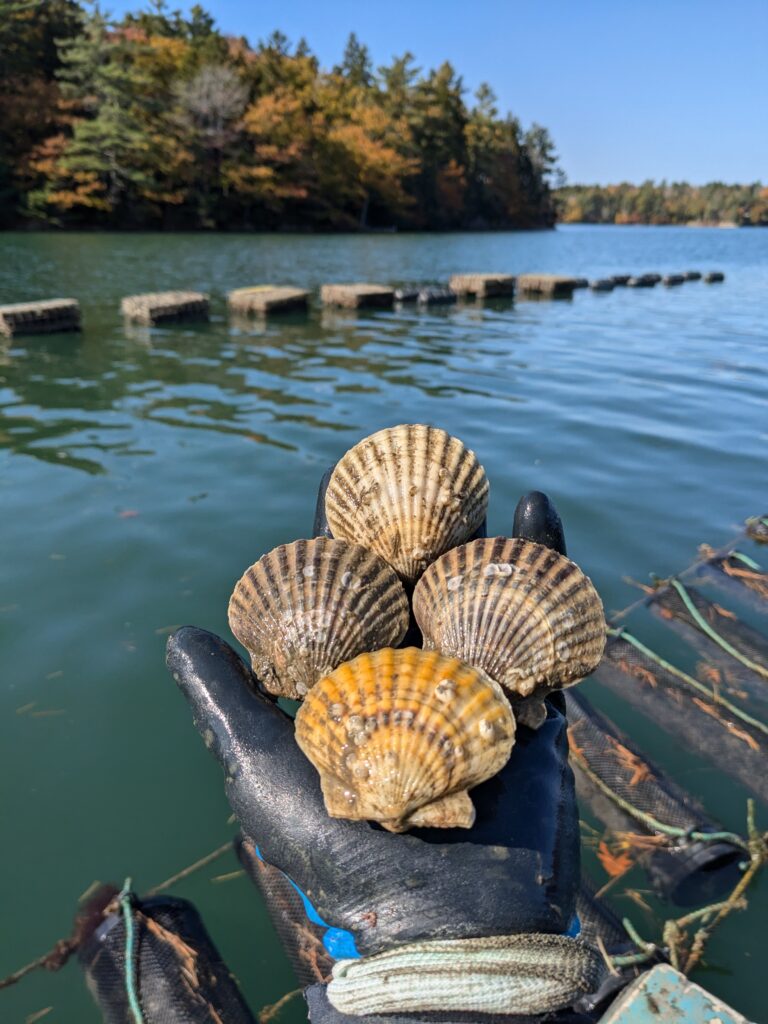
356 66
29 109
106 159
438 122
397 85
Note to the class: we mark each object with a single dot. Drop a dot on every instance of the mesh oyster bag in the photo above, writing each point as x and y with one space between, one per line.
733 647
178 974
737 574
689 710
628 793
601 927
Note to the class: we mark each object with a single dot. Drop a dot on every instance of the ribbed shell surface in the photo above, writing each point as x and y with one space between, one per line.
306 607
395 731
526 615
409 493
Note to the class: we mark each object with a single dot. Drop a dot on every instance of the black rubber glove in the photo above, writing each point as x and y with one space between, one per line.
516 870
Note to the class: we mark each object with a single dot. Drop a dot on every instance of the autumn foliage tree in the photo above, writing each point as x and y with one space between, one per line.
161 120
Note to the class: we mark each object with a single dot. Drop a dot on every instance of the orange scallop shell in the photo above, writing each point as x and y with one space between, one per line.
399 736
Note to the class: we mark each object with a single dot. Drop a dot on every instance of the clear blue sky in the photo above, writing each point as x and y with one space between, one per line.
674 89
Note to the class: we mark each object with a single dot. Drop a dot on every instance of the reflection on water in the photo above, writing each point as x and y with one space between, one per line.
238 377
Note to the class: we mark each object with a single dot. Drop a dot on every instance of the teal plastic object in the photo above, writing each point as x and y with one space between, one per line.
665 995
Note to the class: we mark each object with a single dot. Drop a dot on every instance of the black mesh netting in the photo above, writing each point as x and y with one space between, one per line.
609 768
695 716
599 925
598 921
179 975
301 940
746 684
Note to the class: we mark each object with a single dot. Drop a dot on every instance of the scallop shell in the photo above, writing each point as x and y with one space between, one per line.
306 607
409 493
398 736
526 615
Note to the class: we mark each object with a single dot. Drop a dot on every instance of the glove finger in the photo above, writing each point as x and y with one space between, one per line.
272 787
251 737
537 519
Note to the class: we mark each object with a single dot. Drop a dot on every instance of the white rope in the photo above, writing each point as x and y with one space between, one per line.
502 974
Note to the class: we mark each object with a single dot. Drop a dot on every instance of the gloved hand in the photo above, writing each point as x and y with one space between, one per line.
515 871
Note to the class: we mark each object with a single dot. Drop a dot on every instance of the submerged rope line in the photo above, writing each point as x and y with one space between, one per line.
651 822
130 974
186 872
712 633
647 950
716 697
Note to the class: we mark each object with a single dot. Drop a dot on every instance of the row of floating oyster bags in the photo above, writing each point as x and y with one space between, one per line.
399 736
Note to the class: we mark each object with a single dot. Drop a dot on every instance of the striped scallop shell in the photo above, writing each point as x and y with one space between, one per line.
408 493
306 607
398 736
526 615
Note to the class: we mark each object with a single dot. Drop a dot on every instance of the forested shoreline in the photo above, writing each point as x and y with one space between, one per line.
161 121
664 203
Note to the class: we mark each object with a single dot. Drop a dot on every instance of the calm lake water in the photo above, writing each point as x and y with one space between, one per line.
143 471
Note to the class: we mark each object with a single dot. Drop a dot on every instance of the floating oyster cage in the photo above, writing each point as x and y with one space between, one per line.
153 309
720 706
46 317
165 307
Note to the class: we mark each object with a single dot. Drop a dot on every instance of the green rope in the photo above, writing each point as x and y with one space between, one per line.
712 633
652 823
749 562
716 697
632 959
649 950
130 974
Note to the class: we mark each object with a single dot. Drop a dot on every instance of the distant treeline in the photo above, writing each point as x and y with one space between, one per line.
161 120
675 203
